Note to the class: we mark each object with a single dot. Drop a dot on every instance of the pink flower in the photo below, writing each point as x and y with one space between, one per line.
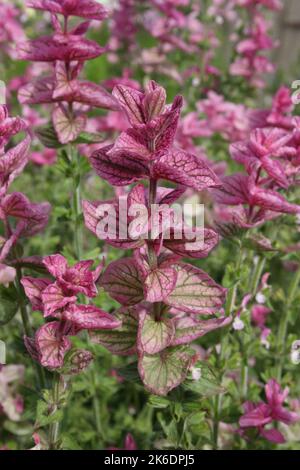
132 157
11 31
89 9
51 297
7 274
263 414
261 150
259 314
251 64
59 299
129 443
271 4
44 157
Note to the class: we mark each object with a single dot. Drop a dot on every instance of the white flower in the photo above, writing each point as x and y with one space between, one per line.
238 324
260 298
196 373
295 352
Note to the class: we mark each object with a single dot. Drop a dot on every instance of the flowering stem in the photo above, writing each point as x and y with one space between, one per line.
259 267
96 406
74 157
284 323
253 286
41 382
231 297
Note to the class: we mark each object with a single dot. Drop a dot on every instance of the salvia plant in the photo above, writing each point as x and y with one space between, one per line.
149 243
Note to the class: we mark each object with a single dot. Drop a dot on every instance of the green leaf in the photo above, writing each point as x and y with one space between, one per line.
154 335
121 280
68 443
17 428
164 371
44 416
48 136
207 385
158 402
89 138
121 341
130 372
195 291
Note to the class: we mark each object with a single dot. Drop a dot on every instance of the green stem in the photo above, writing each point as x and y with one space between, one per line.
96 407
229 307
259 267
77 211
231 297
217 411
74 157
284 323
54 427
253 287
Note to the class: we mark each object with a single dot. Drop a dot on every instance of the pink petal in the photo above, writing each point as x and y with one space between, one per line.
55 300
122 172
52 345
189 328
55 264
67 127
90 9
12 163
259 416
33 289
131 101
233 190
273 435
186 169
121 280
59 47
88 317
159 283
195 291
193 243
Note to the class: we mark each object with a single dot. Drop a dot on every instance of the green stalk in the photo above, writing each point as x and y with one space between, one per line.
229 307
257 273
54 427
284 323
253 287
77 211
76 203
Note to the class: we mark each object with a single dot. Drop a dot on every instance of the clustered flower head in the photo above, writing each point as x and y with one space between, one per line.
11 31
269 156
251 62
58 299
20 217
262 415
67 50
